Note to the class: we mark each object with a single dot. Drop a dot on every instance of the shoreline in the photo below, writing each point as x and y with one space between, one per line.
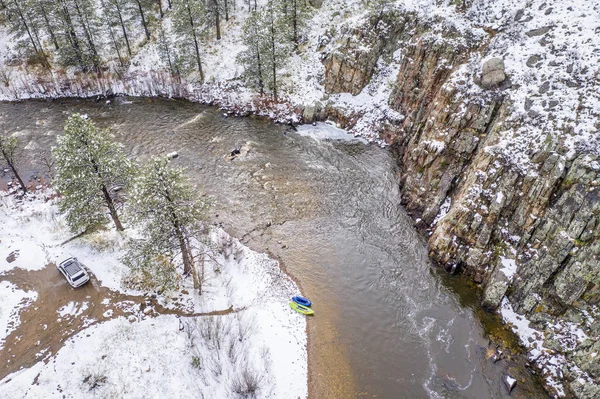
118 309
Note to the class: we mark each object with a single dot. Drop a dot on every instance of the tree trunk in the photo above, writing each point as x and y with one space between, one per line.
114 40
108 199
88 34
24 22
184 247
143 19
49 27
11 165
261 84
217 19
226 11
71 33
295 22
273 57
195 43
111 208
160 10
123 27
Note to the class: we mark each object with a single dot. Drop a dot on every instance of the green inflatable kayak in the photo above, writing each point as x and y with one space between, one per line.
301 309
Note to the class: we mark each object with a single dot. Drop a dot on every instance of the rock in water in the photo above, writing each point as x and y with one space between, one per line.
492 72
510 383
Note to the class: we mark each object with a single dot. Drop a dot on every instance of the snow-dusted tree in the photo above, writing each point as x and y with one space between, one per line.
24 22
86 17
188 23
171 217
268 46
296 13
9 149
114 16
214 12
166 52
75 22
91 171
252 58
141 4
380 7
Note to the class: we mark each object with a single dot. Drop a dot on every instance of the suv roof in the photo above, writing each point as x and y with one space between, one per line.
71 266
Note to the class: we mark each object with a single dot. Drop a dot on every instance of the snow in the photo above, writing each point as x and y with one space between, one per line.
73 309
324 131
260 337
509 267
12 300
567 334
154 358
510 381
443 210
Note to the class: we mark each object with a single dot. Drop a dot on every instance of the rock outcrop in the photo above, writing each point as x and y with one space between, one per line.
492 72
490 169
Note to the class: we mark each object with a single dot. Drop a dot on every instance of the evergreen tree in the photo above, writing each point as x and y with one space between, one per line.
141 4
296 13
84 10
114 13
23 23
214 10
9 150
166 53
268 46
73 51
171 218
90 171
188 22
253 56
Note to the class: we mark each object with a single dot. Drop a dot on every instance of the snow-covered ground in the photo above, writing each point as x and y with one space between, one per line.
566 334
257 344
12 299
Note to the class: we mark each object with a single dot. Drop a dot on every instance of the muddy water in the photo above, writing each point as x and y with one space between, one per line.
386 326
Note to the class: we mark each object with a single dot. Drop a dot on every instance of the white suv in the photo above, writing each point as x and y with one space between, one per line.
73 272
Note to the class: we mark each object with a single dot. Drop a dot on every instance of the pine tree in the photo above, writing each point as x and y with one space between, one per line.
166 53
188 22
214 11
73 51
90 171
9 149
268 46
141 4
171 218
296 14
23 23
253 56
114 14
84 10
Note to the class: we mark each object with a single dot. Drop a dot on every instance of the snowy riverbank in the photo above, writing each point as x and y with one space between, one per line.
250 346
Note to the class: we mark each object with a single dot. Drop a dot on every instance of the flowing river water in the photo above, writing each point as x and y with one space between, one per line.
387 324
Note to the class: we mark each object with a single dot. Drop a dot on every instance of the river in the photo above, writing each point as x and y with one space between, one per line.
387 325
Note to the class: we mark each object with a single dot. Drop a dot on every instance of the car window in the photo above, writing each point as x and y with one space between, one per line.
77 277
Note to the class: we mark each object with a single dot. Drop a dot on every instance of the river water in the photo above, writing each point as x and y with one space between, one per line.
386 324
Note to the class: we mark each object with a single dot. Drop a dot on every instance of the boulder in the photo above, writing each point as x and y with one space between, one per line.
492 72
316 3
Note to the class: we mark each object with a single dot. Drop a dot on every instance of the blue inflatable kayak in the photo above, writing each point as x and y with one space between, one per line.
301 301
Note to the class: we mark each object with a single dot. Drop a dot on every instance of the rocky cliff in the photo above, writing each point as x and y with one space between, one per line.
499 116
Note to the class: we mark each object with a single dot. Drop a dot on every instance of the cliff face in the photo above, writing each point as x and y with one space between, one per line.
493 167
